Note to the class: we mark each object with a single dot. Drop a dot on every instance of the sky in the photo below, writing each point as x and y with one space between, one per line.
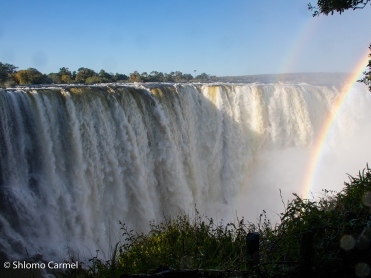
219 37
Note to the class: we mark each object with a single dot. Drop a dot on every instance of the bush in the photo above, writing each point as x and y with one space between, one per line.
339 223
184 243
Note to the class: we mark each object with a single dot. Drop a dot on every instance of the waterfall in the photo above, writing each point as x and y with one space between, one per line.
76 160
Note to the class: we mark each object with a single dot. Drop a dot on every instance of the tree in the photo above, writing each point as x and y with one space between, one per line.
213 78
54 78
9 76
66 79
84 73
160 76
121 77
178 76
29 76
7 72
153 77
105 77
93 79
64 71
330 6
168 78
135 77
8 68
203 77
187 77
367 78
65 75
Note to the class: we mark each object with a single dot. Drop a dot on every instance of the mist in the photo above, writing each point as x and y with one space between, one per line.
345 151
79 159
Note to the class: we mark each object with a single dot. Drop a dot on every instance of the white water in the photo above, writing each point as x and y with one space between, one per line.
75 161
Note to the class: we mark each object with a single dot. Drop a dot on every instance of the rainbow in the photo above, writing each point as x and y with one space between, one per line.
327 126
306 34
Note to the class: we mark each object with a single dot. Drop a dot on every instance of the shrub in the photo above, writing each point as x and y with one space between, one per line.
339 222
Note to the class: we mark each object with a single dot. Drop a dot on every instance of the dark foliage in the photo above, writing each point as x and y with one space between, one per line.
367 78
9 76
328 237
330 6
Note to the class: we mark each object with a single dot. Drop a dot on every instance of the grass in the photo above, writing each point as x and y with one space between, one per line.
340 225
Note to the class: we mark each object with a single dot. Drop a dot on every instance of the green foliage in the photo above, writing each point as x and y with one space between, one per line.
340 222
29 76
187 77
84 73
10 82
9 76
93 79
54 78
330 6
8 68
121 77
106 77
184 243
5 70
65 75
330 219
203 76
64 71
367 78
135 77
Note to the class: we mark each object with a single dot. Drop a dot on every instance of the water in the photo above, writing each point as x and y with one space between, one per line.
77 160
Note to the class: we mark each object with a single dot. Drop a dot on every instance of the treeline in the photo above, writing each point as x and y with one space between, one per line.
11 76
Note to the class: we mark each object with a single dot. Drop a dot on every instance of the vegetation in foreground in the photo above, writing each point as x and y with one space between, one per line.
338 225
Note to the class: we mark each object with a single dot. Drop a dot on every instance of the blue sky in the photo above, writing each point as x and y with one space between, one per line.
219 37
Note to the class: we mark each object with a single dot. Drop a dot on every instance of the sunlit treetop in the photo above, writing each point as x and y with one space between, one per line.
330 6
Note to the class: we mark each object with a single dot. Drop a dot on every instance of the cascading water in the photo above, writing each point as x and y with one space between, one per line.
76 160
